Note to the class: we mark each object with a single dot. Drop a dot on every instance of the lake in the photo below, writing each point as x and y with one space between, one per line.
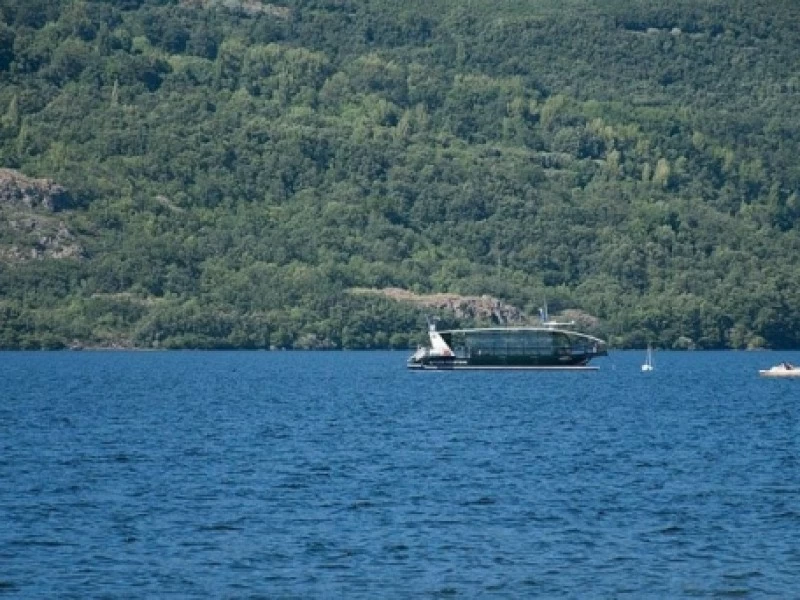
343 475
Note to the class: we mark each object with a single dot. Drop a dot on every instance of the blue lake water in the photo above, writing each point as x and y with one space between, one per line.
342 475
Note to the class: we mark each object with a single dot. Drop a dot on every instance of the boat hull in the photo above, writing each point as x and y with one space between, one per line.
468 367
503 363
780 373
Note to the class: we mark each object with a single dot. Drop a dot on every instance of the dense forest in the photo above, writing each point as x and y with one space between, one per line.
229 171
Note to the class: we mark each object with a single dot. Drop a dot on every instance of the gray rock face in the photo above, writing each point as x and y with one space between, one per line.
28 229
475 307
19 190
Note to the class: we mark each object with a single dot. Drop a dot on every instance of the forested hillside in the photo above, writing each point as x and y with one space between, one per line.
227 172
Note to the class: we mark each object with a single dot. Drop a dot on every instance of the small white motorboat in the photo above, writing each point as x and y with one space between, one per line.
785 369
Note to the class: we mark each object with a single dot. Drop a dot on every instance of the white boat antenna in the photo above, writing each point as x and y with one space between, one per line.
545 318
543 313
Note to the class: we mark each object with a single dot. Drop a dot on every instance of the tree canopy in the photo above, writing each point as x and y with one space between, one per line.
236 168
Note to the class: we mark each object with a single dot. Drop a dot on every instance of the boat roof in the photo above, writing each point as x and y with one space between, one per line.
521 328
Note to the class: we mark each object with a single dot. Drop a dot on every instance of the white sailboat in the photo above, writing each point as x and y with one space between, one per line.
648 363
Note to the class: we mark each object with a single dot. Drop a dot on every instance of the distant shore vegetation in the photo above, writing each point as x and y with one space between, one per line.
223 174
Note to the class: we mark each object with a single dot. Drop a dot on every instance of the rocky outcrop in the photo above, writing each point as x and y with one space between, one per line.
485 308
28 228
250 8
40 238
19 190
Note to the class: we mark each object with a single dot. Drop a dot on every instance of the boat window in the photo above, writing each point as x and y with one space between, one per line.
514 342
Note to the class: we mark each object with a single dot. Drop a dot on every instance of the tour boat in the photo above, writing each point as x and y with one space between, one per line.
549 346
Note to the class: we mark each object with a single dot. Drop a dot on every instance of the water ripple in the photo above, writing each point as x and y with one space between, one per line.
315 475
